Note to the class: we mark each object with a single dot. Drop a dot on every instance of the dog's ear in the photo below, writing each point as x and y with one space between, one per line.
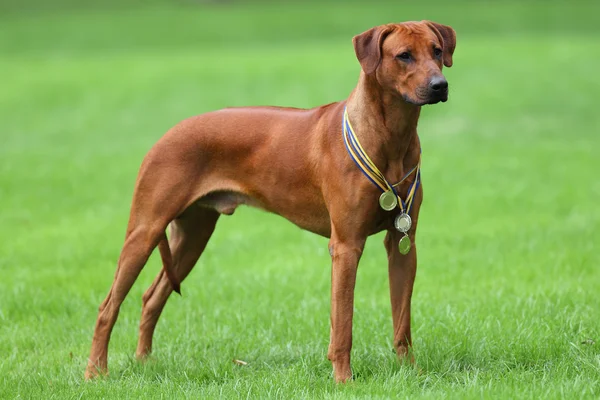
447 36
367 46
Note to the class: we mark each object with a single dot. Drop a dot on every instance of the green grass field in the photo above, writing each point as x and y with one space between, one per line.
506 301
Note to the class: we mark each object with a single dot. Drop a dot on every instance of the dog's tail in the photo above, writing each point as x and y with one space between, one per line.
167 260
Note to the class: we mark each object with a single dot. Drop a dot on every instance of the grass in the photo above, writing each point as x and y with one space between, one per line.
506 298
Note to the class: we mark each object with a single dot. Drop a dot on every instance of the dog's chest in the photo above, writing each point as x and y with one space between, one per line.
378 219
383 220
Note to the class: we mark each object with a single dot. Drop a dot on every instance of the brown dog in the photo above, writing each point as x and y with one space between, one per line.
292 162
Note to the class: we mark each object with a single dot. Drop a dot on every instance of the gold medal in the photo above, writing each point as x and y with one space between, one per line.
404 245
403 222
388 201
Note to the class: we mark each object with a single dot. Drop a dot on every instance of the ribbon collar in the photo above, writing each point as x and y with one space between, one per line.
370 170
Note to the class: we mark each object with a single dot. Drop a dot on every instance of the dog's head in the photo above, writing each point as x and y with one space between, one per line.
407 59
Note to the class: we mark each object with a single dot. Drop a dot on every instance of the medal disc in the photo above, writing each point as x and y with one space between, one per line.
403 222
388 201
404 245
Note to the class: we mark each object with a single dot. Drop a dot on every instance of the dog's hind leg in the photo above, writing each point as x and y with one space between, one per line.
189 235
137 248
160 196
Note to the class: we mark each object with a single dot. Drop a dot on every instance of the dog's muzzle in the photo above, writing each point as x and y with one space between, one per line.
434 92
438 90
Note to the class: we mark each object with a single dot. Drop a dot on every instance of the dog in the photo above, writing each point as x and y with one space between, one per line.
313 166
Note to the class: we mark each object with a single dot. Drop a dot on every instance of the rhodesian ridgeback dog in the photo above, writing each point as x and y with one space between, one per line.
296 163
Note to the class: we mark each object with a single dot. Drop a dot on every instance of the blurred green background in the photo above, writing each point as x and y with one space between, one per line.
506 298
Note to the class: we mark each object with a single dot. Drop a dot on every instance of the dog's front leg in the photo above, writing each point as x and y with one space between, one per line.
402 270
345 255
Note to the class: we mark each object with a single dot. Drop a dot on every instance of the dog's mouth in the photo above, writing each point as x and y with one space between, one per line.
424 97
442 97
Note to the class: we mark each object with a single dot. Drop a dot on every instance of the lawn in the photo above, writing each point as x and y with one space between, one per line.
506 301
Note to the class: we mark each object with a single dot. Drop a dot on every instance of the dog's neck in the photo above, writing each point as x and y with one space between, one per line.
386 125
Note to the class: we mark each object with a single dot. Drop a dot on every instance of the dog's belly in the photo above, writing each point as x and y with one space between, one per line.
311 217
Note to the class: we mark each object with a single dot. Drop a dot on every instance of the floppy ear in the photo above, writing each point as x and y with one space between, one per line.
447 36
367 46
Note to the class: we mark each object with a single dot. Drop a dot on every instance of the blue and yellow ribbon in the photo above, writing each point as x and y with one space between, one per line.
370 170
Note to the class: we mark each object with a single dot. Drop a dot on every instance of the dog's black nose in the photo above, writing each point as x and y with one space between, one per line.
438 84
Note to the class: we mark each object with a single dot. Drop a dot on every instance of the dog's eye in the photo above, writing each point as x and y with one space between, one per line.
437 52
404 56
